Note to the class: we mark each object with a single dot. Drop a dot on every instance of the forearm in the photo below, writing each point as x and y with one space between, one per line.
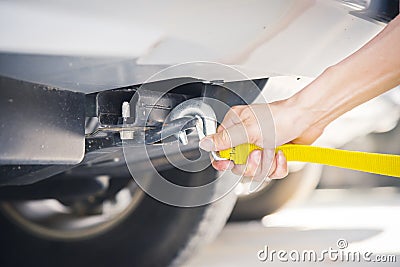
367 73
372 70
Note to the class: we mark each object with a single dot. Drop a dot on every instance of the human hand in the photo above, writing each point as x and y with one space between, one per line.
254 124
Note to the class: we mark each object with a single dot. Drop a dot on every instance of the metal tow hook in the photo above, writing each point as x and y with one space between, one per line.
206 121
203 133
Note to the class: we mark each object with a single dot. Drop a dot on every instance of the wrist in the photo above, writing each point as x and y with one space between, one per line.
316 104
302 117
290 120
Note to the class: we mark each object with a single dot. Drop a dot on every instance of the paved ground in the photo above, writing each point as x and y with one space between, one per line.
367 219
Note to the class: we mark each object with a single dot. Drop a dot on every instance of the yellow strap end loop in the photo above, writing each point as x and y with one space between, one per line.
239 154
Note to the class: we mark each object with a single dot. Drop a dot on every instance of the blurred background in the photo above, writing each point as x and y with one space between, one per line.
361 208
90 47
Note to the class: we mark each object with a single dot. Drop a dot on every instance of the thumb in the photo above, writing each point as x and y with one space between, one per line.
225 139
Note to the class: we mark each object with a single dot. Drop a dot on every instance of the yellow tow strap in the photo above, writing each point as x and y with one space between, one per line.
384 164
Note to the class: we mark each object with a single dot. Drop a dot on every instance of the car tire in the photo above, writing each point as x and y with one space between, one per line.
153 234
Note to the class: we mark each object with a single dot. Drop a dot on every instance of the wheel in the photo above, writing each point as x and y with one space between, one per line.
133 230
277 194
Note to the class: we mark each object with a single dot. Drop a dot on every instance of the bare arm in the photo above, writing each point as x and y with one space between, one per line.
369 72
372 70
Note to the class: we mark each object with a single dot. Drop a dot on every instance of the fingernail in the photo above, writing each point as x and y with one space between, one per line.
256 156
281 157
282 169
206 144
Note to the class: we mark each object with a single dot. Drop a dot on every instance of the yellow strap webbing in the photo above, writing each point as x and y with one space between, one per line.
384 164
